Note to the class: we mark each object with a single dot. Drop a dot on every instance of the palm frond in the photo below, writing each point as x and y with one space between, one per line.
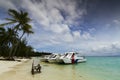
8 23
8 19
17 26
14 14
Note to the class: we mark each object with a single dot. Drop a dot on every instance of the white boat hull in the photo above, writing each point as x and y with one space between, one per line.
82 60
69 61
52 60
59 60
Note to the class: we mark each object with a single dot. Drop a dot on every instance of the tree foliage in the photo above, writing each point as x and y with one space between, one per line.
11 42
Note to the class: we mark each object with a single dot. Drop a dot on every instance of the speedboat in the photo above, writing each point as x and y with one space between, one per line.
53 58
46 58
73 57
60 59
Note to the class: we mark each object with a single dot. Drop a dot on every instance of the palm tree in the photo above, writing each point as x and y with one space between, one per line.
21 21
7 36
12 38
24 49
2 35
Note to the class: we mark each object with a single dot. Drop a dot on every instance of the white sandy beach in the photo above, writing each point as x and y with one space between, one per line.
48 72
8 65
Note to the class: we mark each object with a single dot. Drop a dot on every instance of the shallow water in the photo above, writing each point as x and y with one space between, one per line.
96 68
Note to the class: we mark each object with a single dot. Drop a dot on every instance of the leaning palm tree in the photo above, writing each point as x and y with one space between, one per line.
21 21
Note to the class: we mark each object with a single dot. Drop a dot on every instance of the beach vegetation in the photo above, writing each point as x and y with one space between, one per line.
12 39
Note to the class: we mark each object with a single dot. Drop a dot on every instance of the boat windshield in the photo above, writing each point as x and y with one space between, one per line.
54 56
51 56
65 55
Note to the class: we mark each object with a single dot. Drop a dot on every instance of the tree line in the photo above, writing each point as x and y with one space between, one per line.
12 35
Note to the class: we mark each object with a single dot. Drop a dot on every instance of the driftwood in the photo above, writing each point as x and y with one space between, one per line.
36 69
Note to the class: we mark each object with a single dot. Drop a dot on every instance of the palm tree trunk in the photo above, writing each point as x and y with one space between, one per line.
17 44
12 48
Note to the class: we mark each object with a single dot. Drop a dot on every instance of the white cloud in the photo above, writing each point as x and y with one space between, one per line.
47 12
7 4
116 21
92 30
107 49
86 36
48 15
59 28
76 34
114 25
2 21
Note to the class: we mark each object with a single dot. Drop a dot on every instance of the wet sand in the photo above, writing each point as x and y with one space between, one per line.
48 72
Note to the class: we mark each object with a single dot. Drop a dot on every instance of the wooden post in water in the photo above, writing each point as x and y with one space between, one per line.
32 70
35 68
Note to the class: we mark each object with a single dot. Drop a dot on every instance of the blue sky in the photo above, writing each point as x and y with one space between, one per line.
91 27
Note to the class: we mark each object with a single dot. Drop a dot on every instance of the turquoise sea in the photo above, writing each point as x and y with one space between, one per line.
100 68
96 68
